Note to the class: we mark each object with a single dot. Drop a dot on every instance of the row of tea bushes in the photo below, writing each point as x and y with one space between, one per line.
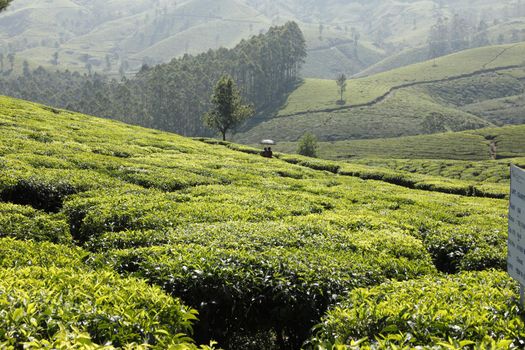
26 223
280 289
473 310
50 299
399 177
93 213
39 304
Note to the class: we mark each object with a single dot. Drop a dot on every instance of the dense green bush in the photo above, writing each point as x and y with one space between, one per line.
26 223
97 212
14 253
38 305
268 284
470 310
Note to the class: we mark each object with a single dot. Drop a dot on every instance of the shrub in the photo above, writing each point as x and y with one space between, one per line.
265 287
14 253
26 223
42 305
307 145
471 310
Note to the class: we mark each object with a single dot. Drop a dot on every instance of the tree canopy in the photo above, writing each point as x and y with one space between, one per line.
173 96
307 145
4 4
227 109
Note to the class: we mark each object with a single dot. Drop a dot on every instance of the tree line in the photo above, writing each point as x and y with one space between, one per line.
174 96
448 36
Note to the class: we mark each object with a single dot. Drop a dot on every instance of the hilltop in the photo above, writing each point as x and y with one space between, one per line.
343 36
450 93
261 248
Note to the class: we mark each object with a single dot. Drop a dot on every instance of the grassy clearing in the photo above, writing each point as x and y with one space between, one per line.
261 248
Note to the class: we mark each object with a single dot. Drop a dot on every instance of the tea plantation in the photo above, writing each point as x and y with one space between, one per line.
115 236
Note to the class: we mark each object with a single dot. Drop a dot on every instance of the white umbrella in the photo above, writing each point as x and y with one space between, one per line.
268 142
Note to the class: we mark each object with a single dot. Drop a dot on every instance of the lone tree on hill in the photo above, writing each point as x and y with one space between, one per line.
227 109
341 83
308 145
4 4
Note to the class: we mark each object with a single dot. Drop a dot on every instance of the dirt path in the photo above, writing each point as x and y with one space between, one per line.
493 149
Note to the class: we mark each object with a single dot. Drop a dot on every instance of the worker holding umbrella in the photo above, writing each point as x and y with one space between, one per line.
267 153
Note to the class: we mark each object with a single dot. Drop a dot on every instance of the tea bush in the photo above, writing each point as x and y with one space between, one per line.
39 306
260 247
14 253
263 287
471 310
26 223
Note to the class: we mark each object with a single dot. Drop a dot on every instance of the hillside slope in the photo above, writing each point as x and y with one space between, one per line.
427 97
260 247
482 144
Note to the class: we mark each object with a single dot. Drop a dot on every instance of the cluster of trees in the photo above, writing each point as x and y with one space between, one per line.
450 36
174 96
447 36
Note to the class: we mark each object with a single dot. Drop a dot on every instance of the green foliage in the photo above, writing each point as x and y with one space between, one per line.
4 4
26 223
267 285
487 172
174 96
307 145
470 310
16 254
42 305
227 110
260 247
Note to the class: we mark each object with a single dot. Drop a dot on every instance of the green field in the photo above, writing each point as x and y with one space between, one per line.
451 94
117 235
319 94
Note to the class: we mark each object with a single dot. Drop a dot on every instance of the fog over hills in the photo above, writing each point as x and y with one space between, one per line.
343 36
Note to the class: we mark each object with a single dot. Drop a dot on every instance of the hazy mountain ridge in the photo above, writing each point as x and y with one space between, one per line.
122 35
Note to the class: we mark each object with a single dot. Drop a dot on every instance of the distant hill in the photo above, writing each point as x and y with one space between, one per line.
343 36
433 96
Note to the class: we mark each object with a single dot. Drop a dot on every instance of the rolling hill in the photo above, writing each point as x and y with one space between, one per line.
107 229
446 94
343 36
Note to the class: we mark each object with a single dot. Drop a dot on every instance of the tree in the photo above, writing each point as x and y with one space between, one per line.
4 4
227 109
11 59
438 39
341 83
308 145
54 60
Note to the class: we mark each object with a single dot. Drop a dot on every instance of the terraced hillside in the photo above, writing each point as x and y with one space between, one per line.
261 248
429 97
